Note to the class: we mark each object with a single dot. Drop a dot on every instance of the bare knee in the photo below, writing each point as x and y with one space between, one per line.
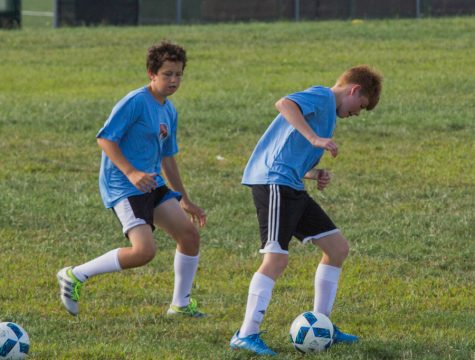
188 240
143 248
335 249
273 265
143 253
338 254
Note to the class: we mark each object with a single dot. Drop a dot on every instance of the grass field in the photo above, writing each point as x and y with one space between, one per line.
403 190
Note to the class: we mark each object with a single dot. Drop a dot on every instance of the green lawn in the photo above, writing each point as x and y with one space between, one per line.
403 190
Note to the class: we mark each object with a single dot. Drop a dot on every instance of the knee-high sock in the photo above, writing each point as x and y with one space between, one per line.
260 293
185 270
109 262
326 284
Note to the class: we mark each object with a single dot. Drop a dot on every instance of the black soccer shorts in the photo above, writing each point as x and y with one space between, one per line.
138 209
283 212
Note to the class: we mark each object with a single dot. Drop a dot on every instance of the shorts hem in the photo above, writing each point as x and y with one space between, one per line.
168 196
131 225
275 251
319 236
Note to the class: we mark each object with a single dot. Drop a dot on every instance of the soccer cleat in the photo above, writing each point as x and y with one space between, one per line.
341 337
190 310
252 343
70 289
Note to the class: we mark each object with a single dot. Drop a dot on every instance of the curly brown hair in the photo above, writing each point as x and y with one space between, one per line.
368 78
164 51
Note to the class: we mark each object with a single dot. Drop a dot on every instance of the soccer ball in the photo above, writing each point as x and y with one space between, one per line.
311 332
14 341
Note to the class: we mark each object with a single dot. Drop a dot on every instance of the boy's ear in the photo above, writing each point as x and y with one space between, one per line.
150 74
354 89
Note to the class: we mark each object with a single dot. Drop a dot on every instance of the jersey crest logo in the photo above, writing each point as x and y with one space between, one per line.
163 131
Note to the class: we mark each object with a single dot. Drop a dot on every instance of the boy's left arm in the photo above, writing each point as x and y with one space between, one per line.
170 169
322 176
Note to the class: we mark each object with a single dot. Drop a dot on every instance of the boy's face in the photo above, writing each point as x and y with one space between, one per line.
167 79
352 102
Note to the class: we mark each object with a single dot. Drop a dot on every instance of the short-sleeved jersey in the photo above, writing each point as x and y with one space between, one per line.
145 131
283 156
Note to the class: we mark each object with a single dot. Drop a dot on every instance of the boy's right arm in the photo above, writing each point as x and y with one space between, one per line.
143 181
291 112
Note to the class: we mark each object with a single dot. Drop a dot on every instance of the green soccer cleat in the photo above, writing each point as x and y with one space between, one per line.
70 289
190 310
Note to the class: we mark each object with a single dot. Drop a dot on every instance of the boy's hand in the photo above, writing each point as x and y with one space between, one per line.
198 215
323 179
322 176
145 182
327 144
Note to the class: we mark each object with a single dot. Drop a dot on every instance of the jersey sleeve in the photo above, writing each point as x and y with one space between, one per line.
306 100
123 115
170 145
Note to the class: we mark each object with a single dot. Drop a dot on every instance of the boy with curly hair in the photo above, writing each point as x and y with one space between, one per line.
138 143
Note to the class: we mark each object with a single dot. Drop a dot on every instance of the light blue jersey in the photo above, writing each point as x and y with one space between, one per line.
145 131
283 156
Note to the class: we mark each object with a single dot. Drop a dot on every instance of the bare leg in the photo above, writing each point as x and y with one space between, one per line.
143 248
173 219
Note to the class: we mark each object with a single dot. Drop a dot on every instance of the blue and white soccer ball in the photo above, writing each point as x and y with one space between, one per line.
14 341
311 332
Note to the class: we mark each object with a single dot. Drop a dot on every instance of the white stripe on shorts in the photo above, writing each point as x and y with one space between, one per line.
126 216
273 223
272 244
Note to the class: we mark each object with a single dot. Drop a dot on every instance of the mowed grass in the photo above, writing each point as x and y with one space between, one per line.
403 188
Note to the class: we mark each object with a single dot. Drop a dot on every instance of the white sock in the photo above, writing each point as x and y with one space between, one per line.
109 262
260 293
185 271
326 284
